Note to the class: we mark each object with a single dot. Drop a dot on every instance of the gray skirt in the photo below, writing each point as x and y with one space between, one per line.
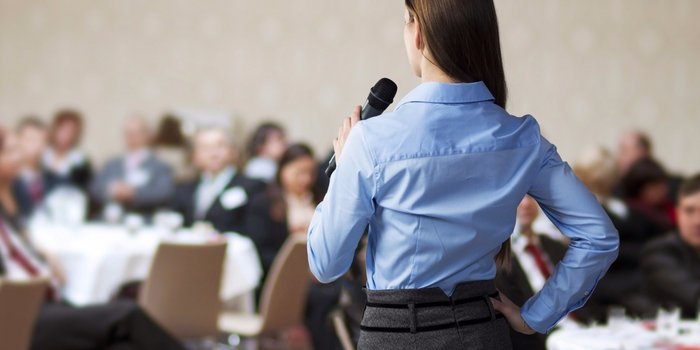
428 319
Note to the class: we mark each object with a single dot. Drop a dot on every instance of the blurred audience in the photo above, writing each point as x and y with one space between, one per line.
58 325
534 258
288 204
63 159
275 196
632 147
137 182
296 177
646 191
221 195
671 264
170 145
596 168
265 148
35 182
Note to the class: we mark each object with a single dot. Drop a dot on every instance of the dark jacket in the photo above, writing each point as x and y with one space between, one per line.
149 197
268 231
515 285
21 194
671 273
79 176
223 219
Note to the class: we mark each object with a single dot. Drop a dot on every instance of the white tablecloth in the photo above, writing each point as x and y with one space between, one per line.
629 336
97 259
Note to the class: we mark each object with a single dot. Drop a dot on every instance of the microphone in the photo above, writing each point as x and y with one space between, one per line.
381 95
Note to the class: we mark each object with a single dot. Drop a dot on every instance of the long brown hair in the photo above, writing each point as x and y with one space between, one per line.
463 39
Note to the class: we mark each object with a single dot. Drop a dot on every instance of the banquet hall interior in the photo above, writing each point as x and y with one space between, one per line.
161 161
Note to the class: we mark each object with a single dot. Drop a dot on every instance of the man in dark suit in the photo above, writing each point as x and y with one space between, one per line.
34 183
221 195
138 182
671 264
534 258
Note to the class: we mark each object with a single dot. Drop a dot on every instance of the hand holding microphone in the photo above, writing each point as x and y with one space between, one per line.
380 97
344 131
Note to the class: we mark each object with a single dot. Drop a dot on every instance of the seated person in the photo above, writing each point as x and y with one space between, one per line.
172 147
138 182
288 204
221 194
671 264
622 284
59 326
286 208
646 192
534 258
63 159
632 146
34 182
265 149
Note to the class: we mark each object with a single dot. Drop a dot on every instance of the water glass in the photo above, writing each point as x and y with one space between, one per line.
668 322
616 317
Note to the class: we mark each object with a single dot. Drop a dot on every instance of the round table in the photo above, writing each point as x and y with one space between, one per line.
632 335
97 259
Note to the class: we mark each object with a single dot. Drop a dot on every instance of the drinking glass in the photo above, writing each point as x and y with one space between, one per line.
616 317
668 322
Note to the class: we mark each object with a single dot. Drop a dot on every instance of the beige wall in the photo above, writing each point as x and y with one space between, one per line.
586 69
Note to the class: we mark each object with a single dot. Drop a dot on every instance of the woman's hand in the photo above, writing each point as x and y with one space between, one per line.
344 131
512 314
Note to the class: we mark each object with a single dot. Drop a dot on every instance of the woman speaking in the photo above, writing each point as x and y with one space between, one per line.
438 182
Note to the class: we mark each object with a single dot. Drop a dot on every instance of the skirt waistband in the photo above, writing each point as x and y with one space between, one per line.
463 290
429 309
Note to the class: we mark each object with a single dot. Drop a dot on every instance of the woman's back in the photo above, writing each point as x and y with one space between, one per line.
438 182
434 197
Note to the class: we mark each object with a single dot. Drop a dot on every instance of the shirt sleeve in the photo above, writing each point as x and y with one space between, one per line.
593 248
340 220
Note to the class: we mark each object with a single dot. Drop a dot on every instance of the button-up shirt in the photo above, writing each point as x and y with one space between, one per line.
210 188
438 182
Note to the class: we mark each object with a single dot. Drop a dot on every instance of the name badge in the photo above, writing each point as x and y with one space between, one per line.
234 198
138 178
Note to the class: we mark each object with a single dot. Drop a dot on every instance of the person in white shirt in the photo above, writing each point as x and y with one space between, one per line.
63 158
221 194
534 259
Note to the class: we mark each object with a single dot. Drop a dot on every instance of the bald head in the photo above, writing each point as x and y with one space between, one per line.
137 134
213 150
631 147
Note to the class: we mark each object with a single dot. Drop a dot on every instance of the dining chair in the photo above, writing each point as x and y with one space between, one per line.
341 330
181 291
19 305
283 296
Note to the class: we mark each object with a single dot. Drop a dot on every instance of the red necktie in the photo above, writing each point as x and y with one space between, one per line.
16 254
540 259
36 190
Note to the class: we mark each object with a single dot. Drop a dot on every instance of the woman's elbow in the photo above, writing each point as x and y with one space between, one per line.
321 268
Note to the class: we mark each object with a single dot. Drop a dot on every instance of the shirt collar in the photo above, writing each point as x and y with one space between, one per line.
448 93
220 179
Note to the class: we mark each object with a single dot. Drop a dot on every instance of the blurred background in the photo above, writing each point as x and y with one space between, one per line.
155 146
587 70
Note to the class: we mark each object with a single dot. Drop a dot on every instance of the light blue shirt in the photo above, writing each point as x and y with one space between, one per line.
439 181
